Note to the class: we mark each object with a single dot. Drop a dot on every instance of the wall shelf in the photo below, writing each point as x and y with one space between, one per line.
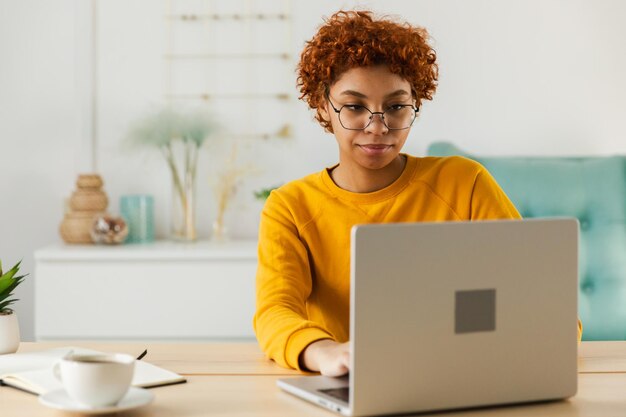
233 96
239 51
228 56
231 16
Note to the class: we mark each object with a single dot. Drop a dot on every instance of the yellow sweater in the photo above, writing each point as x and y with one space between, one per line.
303 276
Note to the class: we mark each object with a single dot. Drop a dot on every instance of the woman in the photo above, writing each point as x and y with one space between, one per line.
366 78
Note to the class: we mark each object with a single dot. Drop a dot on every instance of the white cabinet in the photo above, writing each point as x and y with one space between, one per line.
161 291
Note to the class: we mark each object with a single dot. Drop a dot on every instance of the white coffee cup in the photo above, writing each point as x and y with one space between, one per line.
96 380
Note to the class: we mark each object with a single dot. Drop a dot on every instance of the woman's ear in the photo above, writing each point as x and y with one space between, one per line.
323 111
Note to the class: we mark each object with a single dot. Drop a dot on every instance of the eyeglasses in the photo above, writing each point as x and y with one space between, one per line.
357 117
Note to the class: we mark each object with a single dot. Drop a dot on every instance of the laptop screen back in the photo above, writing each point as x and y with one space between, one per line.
462 314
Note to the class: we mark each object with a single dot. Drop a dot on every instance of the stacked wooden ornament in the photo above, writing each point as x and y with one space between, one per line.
86 203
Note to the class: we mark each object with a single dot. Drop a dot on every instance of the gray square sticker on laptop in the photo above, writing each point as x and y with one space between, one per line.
475 311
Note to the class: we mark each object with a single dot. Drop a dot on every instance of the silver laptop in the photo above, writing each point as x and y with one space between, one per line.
456 315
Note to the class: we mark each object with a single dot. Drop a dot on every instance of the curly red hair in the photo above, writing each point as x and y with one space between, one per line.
351 39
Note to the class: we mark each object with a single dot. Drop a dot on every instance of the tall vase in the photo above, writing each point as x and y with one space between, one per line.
184 209
183 220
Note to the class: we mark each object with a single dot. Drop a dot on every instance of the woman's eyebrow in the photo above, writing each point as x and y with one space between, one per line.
354 93
398 93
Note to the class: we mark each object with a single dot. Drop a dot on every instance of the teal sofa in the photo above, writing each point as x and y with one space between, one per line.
593 189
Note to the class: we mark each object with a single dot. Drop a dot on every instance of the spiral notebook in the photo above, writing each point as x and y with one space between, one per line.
32 371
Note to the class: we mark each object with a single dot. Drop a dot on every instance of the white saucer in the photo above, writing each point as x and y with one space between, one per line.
135 397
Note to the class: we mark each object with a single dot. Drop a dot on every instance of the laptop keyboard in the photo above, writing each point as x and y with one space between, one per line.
342 394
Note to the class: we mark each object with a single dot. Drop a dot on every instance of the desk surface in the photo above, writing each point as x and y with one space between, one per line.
187 358
237 380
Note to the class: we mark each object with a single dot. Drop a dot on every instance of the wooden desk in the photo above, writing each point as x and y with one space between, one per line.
186 358
236 380
598 357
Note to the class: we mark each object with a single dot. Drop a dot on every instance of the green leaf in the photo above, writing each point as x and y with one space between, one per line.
12 271
5 283
10 288
4 305
7 292
264 193
10 280
20 277
0 268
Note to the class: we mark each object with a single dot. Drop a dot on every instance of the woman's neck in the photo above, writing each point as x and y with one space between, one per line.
357 179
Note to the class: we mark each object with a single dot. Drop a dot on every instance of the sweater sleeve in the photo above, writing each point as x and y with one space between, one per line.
488 201
283 285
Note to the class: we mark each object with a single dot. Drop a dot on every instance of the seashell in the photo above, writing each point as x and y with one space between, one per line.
108 229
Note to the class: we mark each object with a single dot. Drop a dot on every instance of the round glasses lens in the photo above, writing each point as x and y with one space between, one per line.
354 117
399 117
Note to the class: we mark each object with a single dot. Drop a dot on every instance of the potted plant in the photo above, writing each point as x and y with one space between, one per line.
9 328
264 193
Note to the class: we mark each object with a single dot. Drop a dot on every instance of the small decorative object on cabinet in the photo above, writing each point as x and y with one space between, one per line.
138 211
109 229
88 201
9 327
179 138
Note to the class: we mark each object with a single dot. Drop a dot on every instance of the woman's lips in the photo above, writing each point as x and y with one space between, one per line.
374 149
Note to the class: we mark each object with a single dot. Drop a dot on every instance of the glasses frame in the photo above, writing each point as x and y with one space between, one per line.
372 113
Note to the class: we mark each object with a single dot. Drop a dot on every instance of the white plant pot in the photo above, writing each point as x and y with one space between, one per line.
9 333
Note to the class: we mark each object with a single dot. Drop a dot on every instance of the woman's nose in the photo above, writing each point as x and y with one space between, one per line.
377 124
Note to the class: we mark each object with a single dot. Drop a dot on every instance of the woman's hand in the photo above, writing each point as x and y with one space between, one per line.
328 357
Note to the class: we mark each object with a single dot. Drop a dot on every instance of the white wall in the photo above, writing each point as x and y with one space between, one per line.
518 77
37 131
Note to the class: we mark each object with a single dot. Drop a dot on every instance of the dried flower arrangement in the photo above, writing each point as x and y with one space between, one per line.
225 189
179 137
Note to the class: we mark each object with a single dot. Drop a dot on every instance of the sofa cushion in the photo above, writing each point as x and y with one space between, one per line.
592 189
